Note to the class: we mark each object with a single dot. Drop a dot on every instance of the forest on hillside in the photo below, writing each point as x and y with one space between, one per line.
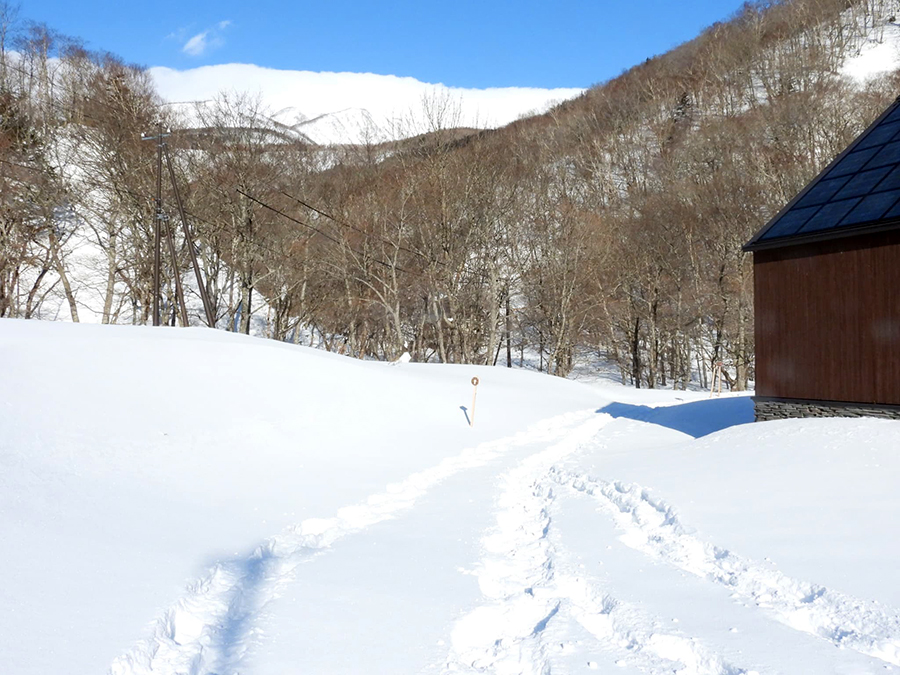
611 225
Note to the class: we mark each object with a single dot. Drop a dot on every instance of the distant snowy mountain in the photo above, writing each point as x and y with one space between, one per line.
346 107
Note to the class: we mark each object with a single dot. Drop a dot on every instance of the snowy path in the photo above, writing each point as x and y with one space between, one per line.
211 628
541 610
535 592
653 527
527 585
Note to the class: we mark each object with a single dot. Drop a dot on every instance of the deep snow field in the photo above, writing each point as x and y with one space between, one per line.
198 502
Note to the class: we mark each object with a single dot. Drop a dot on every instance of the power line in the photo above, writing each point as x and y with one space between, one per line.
360 230
72 110
325 234
150 199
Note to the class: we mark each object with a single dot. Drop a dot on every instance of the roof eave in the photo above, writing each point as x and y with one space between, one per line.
825 235
755 245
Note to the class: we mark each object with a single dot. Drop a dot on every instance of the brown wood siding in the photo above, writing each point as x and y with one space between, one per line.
828 320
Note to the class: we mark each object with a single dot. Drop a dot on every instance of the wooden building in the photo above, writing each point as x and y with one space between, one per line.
827 288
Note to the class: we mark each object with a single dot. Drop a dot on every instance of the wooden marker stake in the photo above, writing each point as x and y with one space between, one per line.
716 380
474 394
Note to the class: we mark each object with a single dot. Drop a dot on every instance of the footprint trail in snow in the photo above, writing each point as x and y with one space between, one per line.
212 626
526 586
653 527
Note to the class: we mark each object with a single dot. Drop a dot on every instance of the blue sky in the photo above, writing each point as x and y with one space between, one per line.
567 43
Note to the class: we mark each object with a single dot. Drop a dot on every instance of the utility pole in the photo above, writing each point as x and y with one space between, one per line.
157 224
179 291
162 148
207 305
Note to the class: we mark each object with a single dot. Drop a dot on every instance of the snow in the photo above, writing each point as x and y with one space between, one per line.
339 107
194 501
875 57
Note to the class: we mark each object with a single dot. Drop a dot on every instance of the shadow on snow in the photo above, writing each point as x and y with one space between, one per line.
696 419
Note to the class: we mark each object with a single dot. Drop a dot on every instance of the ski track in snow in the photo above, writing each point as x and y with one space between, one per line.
653 527
210 629
524 579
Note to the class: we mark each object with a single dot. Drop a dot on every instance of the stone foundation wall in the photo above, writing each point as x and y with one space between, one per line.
780 409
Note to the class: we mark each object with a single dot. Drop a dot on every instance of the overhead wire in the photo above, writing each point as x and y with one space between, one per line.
72 110
326 235
360 230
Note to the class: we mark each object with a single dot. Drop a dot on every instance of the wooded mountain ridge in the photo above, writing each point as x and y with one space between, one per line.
611 225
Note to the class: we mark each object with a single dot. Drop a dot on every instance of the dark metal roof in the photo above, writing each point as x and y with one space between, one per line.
858 192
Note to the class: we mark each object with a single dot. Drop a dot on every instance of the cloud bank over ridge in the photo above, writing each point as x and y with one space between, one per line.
335 105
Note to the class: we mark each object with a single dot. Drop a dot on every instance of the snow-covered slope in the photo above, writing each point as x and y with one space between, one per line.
878 55
191 501
133 459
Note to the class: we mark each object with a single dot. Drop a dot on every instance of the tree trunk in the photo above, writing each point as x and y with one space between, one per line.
508 332
110 279
61 271
636 354
246 300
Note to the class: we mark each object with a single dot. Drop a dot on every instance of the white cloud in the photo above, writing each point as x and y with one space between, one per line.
206 40
340 102
196 45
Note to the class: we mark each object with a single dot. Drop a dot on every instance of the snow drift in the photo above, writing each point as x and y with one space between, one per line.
193 501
